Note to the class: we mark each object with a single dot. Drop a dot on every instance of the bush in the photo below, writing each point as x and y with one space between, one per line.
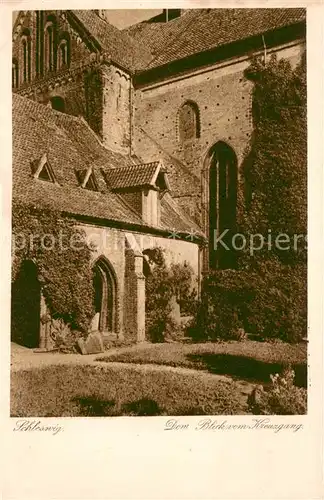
267 295
162 284
281 398
270 303
64 269
275 166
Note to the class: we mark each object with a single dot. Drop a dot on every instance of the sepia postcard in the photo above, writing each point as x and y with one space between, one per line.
162 301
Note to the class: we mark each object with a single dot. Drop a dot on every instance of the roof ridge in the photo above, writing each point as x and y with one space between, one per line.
173 39
131 47
203 30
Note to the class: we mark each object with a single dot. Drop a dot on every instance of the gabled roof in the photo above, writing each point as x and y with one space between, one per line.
201 30
141 175
70 146
123 50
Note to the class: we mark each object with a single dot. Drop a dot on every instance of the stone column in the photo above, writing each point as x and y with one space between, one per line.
140 297
134 297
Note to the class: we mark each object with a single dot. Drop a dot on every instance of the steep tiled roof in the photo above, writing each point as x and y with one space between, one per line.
173 217
123 50
133 176
70 146
200 30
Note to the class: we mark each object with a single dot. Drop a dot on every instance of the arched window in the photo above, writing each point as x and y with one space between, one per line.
104 283
38 42
26 57
15 74
222 201
50 36
188 122
58 103
63 52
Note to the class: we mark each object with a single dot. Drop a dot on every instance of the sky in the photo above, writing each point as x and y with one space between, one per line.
126 17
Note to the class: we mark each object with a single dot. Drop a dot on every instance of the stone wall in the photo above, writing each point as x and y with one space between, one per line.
110 244
175 252
116 119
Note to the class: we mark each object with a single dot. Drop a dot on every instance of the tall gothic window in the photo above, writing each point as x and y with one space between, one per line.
26 57
50 35
39 48
15 74
25 60
188 121
222 205
63 53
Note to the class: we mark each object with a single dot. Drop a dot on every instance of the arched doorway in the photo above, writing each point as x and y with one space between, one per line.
25 306
221 197
104 283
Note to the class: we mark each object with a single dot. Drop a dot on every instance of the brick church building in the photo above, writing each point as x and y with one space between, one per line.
140 133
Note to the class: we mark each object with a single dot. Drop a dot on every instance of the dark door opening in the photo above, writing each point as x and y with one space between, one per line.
104 296
25 306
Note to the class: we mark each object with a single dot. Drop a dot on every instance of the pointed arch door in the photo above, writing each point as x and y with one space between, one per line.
104 283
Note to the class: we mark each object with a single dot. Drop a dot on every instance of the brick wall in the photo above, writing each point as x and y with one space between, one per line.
81 90
78 49
223 97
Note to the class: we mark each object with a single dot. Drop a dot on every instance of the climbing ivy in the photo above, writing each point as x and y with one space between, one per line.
272 201
63 259
275 167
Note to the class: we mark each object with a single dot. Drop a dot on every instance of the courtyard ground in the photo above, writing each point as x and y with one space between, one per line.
249 360
148 379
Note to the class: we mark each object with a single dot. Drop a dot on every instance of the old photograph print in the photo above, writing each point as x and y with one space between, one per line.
159 213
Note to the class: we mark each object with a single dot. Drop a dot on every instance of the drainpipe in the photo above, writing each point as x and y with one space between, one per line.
265 50
131 115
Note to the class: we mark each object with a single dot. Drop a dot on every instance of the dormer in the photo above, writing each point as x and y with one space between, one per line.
87 179
142 187
42 170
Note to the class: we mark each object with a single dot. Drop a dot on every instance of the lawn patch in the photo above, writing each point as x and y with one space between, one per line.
92 390
249 360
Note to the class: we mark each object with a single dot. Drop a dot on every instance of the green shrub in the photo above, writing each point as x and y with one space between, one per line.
275 165
162 284
271 303
267 295
281 398
64 268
